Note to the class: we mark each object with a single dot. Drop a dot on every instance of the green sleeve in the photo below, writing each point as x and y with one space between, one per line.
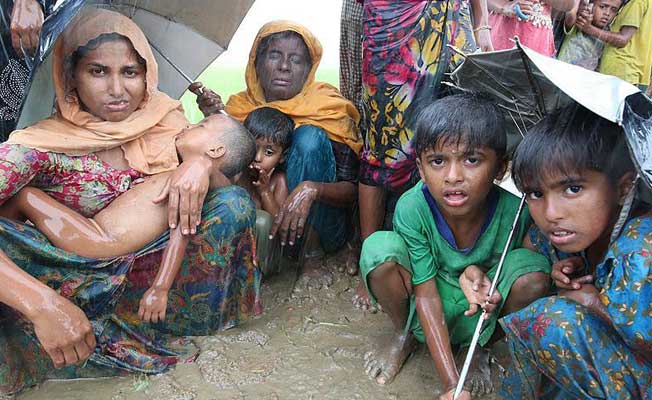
409 224
632 14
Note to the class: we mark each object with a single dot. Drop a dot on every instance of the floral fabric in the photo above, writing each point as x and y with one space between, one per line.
217 287
560 349
404 57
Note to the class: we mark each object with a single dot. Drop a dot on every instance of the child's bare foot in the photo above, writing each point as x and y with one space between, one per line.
362 301
478 380
383 366
314 275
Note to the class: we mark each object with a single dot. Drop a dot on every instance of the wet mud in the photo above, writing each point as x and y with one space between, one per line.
307 345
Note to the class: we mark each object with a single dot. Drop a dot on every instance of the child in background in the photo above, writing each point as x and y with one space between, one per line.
580 48
449 232
593 340
266 184
628 46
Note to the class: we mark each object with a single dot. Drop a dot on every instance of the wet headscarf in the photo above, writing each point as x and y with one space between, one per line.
146 136
318 103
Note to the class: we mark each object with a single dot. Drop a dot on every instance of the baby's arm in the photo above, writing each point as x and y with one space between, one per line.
154 302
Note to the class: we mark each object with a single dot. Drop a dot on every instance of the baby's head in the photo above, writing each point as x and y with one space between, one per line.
272 131
575 170
461 145
604 12
220 138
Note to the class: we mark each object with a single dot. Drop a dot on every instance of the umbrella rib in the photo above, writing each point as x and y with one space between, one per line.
533 82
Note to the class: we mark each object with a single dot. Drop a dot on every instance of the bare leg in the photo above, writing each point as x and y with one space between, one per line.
392 287
371 200
524 291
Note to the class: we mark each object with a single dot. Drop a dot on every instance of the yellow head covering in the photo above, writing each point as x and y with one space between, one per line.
146 136
318 103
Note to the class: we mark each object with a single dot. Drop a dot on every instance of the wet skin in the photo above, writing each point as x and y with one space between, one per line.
118 229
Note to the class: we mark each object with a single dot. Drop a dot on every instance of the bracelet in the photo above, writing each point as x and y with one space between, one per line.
482 28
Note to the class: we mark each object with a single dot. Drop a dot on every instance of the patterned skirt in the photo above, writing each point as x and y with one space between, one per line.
217 287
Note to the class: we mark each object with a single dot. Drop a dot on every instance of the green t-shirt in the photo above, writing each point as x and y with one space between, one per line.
431 255
632 63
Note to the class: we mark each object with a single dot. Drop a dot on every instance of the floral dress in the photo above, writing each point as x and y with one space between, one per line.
560 349
404 57
217 287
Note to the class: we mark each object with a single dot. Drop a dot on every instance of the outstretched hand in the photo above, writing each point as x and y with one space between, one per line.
475 284
64 332
208 101
185 191
291 218
464 395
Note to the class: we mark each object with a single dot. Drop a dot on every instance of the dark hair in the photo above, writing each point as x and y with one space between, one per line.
73 59
241 148
265 42
571 140
271 124
471 118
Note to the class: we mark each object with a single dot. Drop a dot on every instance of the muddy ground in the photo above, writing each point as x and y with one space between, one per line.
308 345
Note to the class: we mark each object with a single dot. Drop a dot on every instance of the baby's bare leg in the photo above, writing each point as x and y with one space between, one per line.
126 225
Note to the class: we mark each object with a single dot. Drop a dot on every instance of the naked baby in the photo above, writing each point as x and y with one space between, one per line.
130 222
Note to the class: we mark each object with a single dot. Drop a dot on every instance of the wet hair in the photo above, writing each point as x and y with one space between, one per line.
270 124
568 142
471 118
241 148
265 42
70 63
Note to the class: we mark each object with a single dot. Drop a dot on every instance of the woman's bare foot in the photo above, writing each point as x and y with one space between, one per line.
362 301
478 380
383 366
351 257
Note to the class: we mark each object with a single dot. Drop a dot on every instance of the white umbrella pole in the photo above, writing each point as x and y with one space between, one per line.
478 327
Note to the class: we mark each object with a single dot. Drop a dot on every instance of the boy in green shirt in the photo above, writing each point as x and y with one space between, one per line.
449 232
628 46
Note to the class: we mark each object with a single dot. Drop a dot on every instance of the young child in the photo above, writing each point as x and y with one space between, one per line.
594 339
580 48
266 184
129 222
628 49
449 232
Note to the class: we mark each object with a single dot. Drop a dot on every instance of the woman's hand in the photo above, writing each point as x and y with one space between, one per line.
186 190
64 331
208 101
153 305
26 24
563 270
291 218
475 286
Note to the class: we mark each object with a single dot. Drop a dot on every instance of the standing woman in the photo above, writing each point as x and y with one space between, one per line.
403 61
112 127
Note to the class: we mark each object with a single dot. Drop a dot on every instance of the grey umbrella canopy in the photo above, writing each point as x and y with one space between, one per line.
186 36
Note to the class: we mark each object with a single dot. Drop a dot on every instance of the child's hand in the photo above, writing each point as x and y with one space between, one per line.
564 270
476 285
262 184
153 305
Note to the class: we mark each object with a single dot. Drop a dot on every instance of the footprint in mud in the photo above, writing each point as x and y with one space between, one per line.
225 373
